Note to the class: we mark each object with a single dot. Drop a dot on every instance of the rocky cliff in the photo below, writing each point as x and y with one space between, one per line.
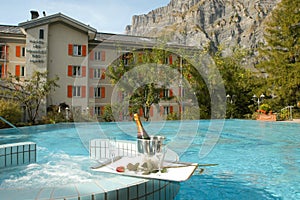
202 22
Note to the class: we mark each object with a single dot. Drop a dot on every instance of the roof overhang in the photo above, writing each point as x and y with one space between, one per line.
59 17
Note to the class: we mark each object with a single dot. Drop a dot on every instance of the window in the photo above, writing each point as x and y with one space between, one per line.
127 59
165 93
76 91
97 55
22 71
3 51
76 71
99 110
166 110
169 60
41 34
99 92
77 50
3 70
1 73
99 73
23 51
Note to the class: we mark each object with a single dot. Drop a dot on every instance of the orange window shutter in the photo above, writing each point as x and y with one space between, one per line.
83 50
171 109
18 51
171 92
161 110
91 73
170 60
83 71
70 70
141 113
151 111
102 110
161 93
103 74
103 55
103 92
92 56
17 72
83 94
5 71
6 50
70 88
92 94
70 49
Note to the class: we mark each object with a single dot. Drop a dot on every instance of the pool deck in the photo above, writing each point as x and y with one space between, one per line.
292 121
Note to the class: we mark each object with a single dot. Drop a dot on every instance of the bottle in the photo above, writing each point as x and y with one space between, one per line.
141 132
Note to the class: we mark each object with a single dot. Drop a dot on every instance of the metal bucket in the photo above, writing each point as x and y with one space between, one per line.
150 147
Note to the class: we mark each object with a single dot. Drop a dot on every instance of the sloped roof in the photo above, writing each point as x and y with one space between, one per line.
59 17
10 29
124 38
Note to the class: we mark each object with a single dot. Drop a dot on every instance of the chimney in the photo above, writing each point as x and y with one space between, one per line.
34 14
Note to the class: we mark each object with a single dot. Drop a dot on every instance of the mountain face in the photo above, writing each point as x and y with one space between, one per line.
203 22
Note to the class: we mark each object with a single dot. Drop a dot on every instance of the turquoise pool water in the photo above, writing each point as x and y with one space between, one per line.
256 160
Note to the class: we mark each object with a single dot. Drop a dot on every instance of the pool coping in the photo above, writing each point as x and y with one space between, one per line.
114 187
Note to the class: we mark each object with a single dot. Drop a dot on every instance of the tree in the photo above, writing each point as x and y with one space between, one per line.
107 114
280 55
31 92
240 83
142 76
11 111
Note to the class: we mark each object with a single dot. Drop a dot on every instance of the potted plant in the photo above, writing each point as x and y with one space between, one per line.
265 108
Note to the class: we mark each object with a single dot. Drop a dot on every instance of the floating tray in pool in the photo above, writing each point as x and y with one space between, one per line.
176 171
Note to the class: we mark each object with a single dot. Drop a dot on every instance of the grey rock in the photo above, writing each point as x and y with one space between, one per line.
200 23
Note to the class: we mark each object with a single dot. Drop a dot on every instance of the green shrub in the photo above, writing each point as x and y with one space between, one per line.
11 111
284 114
254 115
172 116
265 107
107 114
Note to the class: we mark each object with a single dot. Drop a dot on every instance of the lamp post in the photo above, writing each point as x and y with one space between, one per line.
258 100
231 100
67 113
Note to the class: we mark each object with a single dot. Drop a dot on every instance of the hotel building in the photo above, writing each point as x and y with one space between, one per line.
79 55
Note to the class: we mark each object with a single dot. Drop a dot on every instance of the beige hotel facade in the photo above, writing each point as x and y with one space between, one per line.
79 55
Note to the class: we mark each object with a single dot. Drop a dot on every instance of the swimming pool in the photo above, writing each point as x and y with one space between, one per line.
256 160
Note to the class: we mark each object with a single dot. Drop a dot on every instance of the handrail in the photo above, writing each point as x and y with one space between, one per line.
290 111
4 120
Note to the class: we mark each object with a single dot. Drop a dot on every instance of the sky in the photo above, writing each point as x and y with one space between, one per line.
110 16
